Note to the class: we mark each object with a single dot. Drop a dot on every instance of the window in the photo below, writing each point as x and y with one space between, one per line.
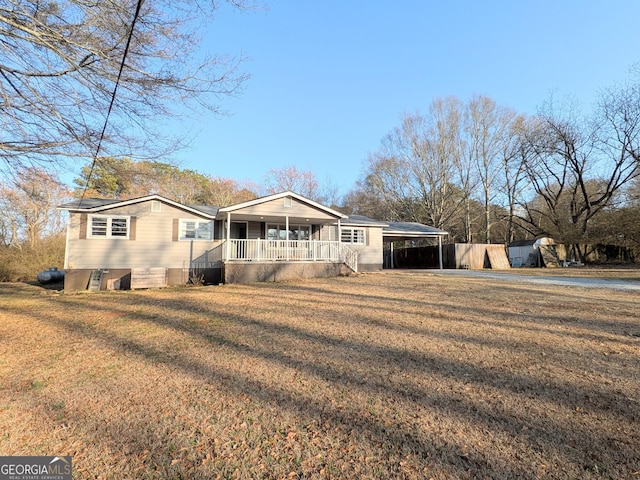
352 235
196 230
108 227
296 232
301 232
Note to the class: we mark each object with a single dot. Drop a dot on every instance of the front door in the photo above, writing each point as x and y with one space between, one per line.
239 232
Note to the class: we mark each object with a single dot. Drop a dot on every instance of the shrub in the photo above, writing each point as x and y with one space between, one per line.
22 263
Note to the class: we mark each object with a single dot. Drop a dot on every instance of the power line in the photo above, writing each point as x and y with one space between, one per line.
113 98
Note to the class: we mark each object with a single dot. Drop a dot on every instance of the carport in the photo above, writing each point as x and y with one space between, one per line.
403 231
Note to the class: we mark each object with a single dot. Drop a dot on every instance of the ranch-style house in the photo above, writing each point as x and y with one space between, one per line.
153 241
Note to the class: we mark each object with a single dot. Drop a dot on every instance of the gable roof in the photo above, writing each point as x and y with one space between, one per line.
276 196
94 205
87 204
390 230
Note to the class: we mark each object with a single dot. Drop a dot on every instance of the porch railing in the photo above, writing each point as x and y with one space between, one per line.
291 251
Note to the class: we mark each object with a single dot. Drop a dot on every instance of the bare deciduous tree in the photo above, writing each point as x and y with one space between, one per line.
488 136
223 192
577 166
290 178
28 207
60 61
514 181
414 171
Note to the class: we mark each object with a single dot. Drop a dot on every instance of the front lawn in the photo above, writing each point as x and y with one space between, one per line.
393 375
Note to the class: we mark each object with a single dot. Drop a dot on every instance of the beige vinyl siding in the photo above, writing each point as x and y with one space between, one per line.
368 254
328 233
371 252
254 230
276 209
154 244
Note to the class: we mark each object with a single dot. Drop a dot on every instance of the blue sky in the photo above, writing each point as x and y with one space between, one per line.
330 78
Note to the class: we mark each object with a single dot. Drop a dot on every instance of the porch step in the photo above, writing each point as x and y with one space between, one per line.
95 280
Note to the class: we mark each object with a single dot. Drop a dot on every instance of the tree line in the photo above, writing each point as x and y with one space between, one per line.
476 169
487 174
94 82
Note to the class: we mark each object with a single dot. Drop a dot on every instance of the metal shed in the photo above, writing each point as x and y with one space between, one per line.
526 253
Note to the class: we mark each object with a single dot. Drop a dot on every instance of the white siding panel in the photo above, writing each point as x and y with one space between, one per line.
518 256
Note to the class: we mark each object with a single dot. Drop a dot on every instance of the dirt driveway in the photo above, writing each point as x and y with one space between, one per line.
563 279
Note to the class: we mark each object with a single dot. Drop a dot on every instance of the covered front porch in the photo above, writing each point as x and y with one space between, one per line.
282 236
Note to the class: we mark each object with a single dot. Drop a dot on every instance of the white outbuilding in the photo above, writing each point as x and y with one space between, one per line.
526 253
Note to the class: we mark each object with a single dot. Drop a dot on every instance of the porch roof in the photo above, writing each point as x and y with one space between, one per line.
396 231
259 208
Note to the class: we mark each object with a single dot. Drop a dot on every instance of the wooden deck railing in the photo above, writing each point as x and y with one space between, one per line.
291 251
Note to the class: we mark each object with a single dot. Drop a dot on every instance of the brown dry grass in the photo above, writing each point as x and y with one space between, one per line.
395 375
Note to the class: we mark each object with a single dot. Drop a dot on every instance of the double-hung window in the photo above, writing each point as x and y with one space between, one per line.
196 230
108 226
352 235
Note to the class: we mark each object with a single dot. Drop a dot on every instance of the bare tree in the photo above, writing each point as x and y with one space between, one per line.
514 154
290 178
578 167
488 130
414 171
364 200
60 62
28 207
223 192
431 168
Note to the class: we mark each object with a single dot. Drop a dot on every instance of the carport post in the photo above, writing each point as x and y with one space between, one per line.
440 250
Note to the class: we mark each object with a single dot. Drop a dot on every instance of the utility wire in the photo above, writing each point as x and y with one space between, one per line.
113 98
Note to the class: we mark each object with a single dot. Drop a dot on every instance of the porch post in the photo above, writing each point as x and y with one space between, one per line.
226 250
286 222
339 242
440 250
